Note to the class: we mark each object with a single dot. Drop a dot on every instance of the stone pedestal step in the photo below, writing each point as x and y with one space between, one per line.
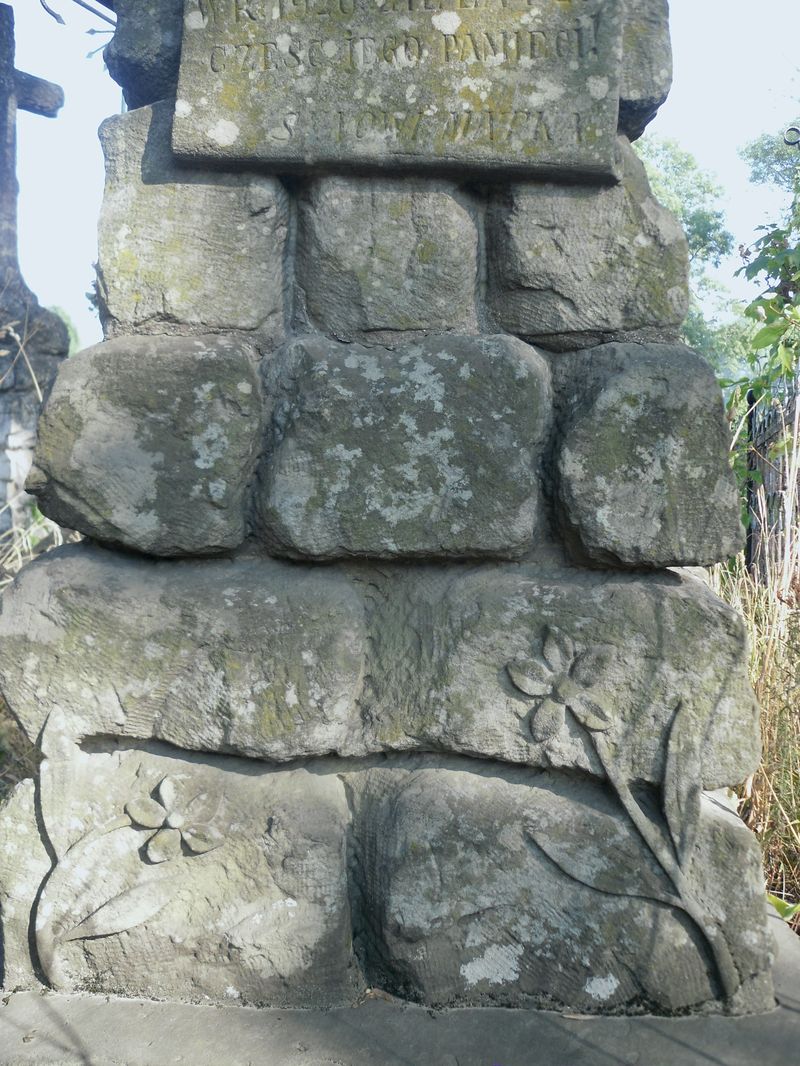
53 1030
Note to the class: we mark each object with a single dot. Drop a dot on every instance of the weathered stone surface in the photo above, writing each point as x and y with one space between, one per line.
646 64
151 442
429 450
510 663
572 265
185 250
34 342
144 54
265 659
24 864
187 879
643 476
256 657
398 85
378 257
191 878
484 888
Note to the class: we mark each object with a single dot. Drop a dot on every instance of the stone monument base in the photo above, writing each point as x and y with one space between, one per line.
55 1030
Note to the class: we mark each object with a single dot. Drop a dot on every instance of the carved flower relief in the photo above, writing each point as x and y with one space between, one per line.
180 827
561 680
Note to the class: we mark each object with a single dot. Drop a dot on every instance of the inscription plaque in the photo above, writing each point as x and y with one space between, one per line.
485 84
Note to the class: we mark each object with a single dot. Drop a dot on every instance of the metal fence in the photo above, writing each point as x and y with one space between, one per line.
774 486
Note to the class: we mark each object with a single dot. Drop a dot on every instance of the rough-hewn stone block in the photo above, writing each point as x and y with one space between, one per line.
378 257
432 449
144 54
151 443
643 475
256 657
185 250
501 889
499 661
270 660
646 64
574 265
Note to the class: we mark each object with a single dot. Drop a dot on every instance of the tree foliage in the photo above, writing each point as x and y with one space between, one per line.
715 326
774 260
690 193
772 161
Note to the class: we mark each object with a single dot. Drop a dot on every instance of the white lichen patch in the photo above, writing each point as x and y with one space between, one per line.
224 133
446 22
498 965
598 87
601 988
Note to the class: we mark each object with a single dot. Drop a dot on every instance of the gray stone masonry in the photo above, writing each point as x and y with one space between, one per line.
372 679
356 238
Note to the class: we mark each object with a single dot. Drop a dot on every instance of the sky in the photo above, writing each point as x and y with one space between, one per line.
736 76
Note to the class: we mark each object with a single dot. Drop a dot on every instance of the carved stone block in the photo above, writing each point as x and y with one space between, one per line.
432 449
269 660
184 251
509 662
401 85
24 866
151 443
574 265
255 657
448 882
642 474
181 878
488 888
377 258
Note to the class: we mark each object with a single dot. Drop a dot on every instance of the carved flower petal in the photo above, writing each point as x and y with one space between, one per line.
530 676
201 808
164 846
548 720
144 811
592 713
167 793
202 838
558 649
591 664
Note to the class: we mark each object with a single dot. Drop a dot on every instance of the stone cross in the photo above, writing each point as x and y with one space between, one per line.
18 91
26 368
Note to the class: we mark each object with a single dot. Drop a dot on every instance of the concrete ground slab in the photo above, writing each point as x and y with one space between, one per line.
52 1030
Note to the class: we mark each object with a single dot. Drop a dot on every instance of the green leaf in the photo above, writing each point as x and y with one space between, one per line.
787 911
787 358
770 335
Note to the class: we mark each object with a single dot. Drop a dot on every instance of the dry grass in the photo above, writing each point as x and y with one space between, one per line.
770 800
18 546
770 605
